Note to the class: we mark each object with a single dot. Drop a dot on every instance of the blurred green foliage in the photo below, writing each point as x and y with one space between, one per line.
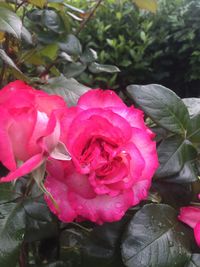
148 48
39 40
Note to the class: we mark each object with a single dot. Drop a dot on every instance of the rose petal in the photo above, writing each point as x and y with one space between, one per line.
38 131
190 216
17 88
100 99
98 122
148 152
29 97
197 233
20 131
102 208
24 169
135 165
95 126
59 192
135 117
6 152
52 134
68 115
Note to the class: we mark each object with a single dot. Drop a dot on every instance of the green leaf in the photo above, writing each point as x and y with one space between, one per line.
88 56
193 133
7 193
38 3
193 105
71 45
188 174
50 51
150 5
69 89
66 57
52 21
26 35
74 69
10 22
173 153
12 230
155 238
174 194
40 223
194 261
162 105
35 15
74 16
94 247
97 68
73 8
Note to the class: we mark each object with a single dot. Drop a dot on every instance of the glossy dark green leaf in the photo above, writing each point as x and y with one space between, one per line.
12 230
6 193
35 15
47 37
194 261
52 21
162 105
74 69
71 45
39 221
97 68
69 89
10 22
88 56
174 194
193 105
98 247
193 132
173 153
156 238
188 174
103 246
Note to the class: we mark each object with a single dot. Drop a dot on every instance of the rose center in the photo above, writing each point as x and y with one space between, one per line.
101 156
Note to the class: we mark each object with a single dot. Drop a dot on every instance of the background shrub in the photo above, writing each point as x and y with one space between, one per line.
162 48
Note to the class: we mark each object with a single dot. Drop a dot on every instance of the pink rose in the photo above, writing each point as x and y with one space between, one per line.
191 216
113 160
29 127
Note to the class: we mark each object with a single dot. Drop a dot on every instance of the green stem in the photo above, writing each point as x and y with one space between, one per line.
89 17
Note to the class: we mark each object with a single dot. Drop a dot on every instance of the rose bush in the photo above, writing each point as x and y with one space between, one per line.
29 127
113 160
191 216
